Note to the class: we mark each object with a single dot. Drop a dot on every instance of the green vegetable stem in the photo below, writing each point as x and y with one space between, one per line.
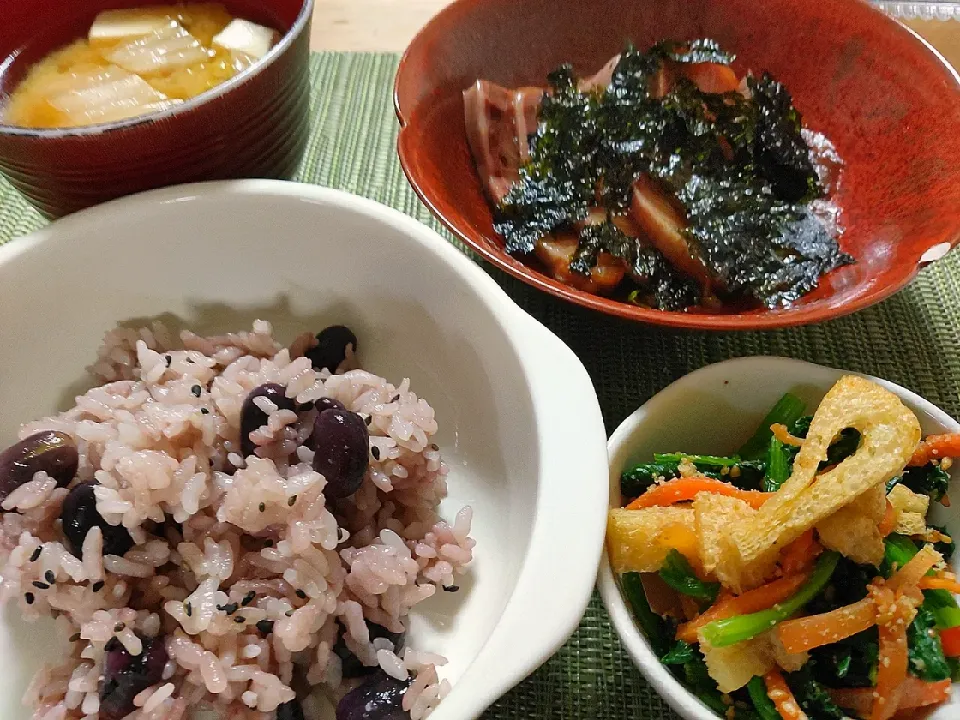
729 631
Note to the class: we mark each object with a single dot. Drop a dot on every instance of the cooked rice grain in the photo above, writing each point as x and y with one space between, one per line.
227 546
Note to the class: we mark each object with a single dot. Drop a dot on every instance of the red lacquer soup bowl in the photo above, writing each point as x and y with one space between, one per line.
888 102
254 125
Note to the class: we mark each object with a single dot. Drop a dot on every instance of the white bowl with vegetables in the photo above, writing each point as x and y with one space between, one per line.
763 565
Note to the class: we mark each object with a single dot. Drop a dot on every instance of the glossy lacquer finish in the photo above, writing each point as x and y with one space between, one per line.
889 103
255 125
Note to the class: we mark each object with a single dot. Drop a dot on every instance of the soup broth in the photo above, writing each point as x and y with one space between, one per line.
134 62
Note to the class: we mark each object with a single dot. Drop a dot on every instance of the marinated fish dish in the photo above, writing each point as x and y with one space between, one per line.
664 180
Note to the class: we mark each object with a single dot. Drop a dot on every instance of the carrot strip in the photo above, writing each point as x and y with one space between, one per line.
687 488
936 447
761 598
939 583
914 570
806 633
889 522
781 433
891 670
914 693
950 639
800 555
781 695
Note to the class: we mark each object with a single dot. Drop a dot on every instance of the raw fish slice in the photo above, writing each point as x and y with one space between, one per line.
166 49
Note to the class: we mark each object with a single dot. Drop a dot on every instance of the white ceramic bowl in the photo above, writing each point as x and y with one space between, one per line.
519 419
714 410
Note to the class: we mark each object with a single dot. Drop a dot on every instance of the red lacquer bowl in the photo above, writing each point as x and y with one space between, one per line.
255 125
889 103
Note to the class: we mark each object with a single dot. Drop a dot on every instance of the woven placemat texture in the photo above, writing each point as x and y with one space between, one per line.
911 339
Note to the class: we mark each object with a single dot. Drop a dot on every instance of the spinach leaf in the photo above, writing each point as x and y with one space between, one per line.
927 660
812 696
653 626
680 654
678 574
761 702
927 479
852 662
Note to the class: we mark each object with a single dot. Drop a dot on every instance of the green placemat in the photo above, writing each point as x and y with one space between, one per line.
911 339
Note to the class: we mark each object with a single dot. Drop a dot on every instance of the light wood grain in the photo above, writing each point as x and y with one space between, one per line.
370 25
943 35
389 26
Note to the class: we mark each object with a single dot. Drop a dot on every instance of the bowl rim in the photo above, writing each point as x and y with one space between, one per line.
488 246
302 21
554 557
638 647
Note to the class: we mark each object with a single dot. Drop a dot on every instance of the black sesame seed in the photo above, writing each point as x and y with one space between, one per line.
75 637
263 507
36 554
395 398
50 577
375 451
28 597
268 543
289 613
188 608
265 626
368 419
292 501
239 619
98 586
196 390
189 360
168 360
248 598
451 588
230 608
204 411
119 627
434 446
301 594
40 585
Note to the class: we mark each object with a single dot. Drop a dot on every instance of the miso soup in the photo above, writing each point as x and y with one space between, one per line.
134 62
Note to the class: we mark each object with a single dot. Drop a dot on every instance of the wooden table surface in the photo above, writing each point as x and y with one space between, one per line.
389 25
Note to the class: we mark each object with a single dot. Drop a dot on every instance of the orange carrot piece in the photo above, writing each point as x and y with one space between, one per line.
910 574
683 489
800 555
781 433
889 521
781 695
891 670
810 632
761 598
950 640
914 693
940 583
936 447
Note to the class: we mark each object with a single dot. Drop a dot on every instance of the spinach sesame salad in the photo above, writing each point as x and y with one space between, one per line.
665 180
799 577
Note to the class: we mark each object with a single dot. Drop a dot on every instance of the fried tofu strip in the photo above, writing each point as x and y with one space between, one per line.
890 434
